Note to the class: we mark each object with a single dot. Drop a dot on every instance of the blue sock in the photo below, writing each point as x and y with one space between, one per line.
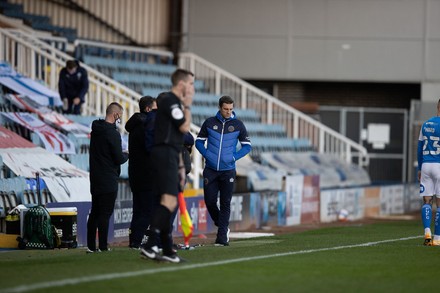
437 223
426 215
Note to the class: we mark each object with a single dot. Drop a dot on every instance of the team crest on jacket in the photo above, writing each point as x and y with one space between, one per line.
231 128
215 127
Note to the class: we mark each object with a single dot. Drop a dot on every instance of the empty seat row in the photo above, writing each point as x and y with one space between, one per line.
151 91
200 98
8 200
152 80
279 144
38 22
200 113
266 128
82 144
16 190
86 50
81 161
123 65
82 119
206 99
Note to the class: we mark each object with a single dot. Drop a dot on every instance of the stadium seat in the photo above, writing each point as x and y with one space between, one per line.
80 160
84 120
111 66
124 171
37 22
82 144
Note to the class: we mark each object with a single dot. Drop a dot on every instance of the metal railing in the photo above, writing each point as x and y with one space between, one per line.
274 111
38 60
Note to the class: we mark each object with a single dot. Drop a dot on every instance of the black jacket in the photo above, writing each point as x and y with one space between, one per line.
73 85
140 127
186 155
106 157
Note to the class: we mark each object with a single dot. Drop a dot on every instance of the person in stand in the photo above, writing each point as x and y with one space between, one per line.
73 84
221 134
140 127
106 158
428 157
173 120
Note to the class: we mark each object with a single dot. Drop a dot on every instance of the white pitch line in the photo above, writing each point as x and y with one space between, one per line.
76 281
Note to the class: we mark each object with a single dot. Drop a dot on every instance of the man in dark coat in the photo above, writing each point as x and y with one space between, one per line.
140 127
106 158
73 84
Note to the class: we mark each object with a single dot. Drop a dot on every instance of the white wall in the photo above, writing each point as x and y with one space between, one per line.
430 92
333 40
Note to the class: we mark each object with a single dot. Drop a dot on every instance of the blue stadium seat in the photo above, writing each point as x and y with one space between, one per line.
12 192
124 171
6 5
120 65
139 81
86 49
153 92
205 99
84 120
38 22
82 144
265 130
81 161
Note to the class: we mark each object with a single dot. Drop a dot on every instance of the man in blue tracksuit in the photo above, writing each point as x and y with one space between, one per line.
221 133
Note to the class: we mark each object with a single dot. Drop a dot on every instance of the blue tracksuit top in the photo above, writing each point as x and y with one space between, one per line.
428 150
222 136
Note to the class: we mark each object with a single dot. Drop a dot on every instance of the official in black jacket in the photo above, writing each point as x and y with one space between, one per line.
106 157
140 127
173 120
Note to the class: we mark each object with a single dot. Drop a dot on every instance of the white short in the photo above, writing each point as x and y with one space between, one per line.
430 180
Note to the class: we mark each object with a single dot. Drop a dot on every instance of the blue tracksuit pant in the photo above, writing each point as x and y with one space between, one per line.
219 183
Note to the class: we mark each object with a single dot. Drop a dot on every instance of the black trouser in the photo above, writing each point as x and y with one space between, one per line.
143 205
99 217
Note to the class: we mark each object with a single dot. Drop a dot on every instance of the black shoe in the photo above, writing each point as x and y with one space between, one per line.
135 247
223 241
151 253
171 258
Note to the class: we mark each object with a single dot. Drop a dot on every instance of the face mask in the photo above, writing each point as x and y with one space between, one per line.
118 120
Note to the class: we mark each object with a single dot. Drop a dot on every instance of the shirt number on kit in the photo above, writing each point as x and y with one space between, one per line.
435 148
